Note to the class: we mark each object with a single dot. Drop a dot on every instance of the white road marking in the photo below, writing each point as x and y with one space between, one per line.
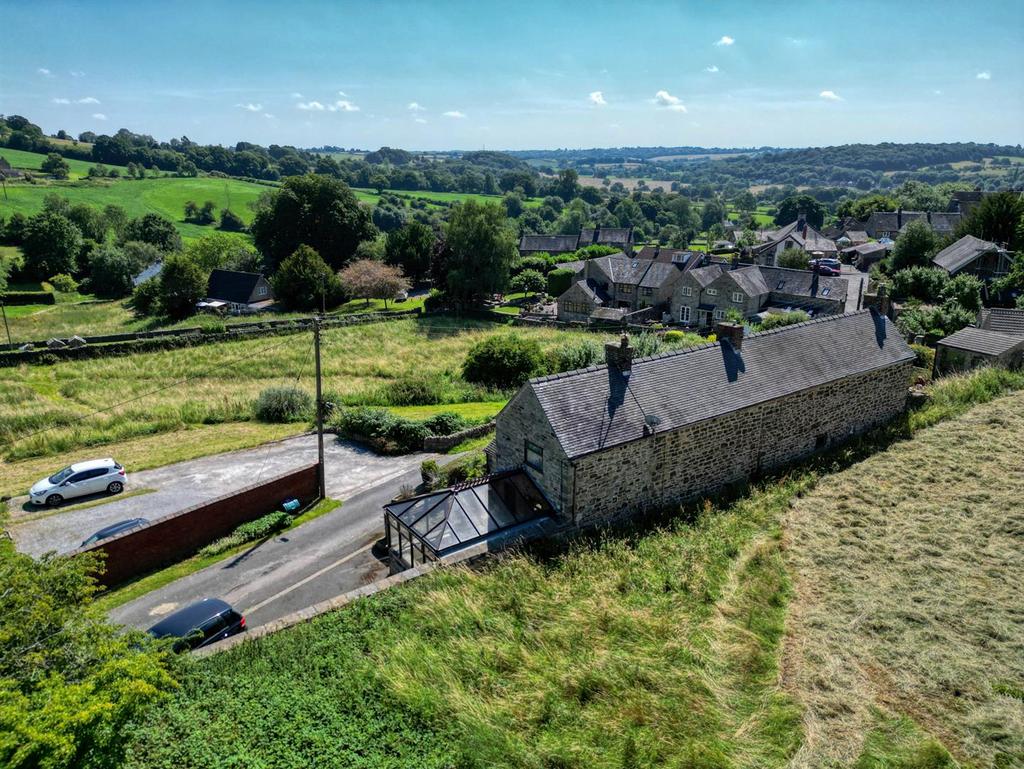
310 578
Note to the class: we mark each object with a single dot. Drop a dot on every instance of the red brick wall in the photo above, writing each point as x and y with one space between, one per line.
174 537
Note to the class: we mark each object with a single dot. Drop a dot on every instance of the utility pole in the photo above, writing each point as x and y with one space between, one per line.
321 478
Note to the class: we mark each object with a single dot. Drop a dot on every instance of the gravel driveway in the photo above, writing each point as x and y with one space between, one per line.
350 469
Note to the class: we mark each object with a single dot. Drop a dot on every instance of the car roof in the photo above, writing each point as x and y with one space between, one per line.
120 526
92 464
185 620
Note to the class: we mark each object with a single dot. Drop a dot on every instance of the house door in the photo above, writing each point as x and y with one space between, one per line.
703 317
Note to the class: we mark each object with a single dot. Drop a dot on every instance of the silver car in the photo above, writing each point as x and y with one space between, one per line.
79 480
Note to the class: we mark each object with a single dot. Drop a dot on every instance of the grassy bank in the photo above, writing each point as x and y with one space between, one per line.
660 647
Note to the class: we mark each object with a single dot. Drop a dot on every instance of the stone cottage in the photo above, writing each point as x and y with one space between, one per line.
612 440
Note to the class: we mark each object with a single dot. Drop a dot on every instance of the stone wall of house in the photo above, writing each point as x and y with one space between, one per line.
523 420
702 458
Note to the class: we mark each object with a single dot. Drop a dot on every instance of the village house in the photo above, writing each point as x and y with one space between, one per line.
997 339
795 235
889 224
863 255
1005 319
615 286
619 439
974 256
615 237
237 292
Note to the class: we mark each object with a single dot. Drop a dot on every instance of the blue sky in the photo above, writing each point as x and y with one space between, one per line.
466 75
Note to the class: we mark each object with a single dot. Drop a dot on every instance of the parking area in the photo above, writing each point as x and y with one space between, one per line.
350 468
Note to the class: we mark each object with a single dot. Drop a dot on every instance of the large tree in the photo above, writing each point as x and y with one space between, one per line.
182 283
318 211
155 229
791 208
481 250
56 166
227 252
111 271
304 281
914 247
369 279
998 218
411 248
51 245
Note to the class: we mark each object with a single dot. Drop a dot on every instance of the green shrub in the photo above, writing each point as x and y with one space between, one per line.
390 434
436 300
145 299
418 390
780 319
674 336
534 262
559 281
468 468
646 344
211 324
575 355
64 283
260 528
924 283
445 423
503 361
925 356
283 404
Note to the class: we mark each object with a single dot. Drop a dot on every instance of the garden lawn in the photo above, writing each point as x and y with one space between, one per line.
165 196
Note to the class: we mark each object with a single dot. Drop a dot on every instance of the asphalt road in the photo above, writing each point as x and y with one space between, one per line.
318 560
350 468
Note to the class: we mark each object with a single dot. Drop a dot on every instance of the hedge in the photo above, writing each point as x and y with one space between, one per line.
29 297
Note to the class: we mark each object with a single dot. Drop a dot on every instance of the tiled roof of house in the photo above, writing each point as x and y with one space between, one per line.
592 289
782 280
672 255
657 273
956 256
750 280
1002 319
866 248
553 244
982 340
597 407
944 222
706 275
807 237
856 236
606 236
232 285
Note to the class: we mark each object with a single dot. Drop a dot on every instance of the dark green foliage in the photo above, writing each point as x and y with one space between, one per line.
145 299
318 211
965 290
528 282
791 208
436 300
778 320
481 250
924 283
537 262
154 229
51 244
56 166
111 270
575 355
411 248
283 404
998 218
445 423
914 247
503 361
63 283
925 356
230 221
391 434
934 322
559 281
467 468
182 284
304 281
261 528
794 259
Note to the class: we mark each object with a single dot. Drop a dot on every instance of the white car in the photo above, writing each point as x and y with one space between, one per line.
79 480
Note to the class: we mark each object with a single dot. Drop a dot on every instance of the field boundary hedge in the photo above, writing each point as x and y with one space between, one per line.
109 345
13 298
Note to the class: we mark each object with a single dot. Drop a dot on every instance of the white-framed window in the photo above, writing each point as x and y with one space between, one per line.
261 291
719 314
737 297
712 292
684 314
626 288
647 291
686 291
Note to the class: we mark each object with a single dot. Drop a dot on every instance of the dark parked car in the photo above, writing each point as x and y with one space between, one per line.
830 267
199 624
114 528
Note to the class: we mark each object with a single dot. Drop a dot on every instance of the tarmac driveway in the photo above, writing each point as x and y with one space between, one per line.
350 468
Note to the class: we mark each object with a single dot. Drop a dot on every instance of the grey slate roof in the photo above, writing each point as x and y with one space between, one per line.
657 274
782 280
232 285
606 236
663 254
597 407
1003 319
982 340
750 280
944 222
956 256
706 275
553 244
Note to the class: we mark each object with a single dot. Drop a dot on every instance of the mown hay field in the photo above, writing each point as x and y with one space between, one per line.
678 645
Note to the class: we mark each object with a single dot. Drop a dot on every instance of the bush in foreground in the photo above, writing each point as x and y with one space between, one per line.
279 405
391 434
503 361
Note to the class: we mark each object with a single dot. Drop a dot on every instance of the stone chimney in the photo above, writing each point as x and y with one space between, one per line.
735 264
884 302
801 221
596 236
619 356
730 331
899 218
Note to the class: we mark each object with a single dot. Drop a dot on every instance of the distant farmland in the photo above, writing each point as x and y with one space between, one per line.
33 161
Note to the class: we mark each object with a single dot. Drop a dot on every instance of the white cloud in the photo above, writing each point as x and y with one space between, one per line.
415 107
76 73
268 115
61 101
88 100
296 95
712 69
986 75
310 106
343 105
250 107
99 116
597 97
420 120
937 92
455 114
44 72
667 101
830 96
725 40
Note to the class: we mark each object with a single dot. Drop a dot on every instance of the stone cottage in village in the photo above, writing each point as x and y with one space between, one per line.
798 235
615 439
599 444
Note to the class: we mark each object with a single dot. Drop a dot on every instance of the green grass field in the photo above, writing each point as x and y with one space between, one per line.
809 623
440 197
165 196
33 161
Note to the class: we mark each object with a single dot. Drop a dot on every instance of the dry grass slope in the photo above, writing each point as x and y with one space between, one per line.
909 573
